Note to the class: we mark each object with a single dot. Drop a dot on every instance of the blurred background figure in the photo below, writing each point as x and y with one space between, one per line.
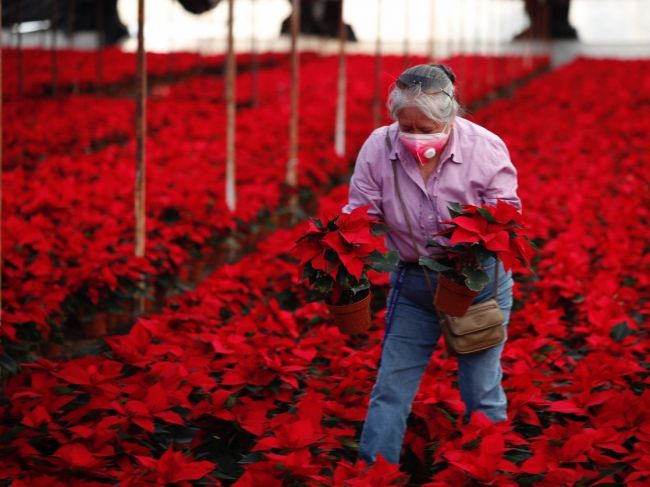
81 15
548 18
319 18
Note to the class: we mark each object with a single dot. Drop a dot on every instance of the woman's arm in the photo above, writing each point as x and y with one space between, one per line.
365 189
502 179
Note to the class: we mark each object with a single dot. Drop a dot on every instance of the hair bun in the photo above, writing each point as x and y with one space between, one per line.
447 70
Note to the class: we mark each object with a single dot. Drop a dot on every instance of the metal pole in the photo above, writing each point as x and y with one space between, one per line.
339 133
292 165
231 67
140 168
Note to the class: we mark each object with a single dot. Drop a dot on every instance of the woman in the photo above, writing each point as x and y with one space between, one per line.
440 157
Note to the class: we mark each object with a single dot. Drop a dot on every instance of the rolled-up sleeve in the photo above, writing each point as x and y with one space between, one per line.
364 188
501 180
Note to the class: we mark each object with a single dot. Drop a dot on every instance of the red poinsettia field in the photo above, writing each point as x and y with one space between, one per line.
69 238
242 381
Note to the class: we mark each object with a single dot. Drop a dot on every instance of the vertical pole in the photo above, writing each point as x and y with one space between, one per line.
292 165
255 82
431 51
140 171
493 60
99 6
485 43
231 67
55 56
70 20
1 219
376 99
462 60
339 134
70 29
546 36
21 64
407 22
170 45
475 52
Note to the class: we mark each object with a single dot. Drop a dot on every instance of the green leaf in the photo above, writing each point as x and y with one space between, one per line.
349 443
331 255
434 243
254 457
620 331
486 214
318 223
8 363
481 253
383 262
455 209
433 264
475 279
470 445
378 229
361 287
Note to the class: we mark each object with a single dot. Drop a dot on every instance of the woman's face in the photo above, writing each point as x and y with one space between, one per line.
413 121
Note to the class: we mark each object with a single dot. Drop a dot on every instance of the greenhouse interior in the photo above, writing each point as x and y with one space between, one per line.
262 243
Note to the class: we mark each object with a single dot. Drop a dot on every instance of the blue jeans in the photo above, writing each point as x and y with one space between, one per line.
412 332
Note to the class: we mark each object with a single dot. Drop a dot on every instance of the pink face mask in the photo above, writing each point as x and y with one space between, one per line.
424 146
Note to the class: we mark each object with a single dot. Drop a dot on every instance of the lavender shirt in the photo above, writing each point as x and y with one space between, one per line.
474 168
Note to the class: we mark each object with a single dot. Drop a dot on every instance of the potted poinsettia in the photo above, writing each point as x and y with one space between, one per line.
335 255
474 234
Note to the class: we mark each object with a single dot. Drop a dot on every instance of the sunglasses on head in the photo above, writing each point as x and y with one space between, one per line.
427 85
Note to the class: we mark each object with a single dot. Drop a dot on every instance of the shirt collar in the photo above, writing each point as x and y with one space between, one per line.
451 151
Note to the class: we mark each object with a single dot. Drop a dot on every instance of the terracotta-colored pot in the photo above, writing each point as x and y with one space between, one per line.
216 257
453 298
97 327
119 321
352 318
55 349
196 269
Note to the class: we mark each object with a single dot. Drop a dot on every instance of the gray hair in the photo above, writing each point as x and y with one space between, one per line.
430 88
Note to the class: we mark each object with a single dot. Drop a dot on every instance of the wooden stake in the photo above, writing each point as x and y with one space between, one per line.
55 56
339 131
431 51
231 67
21 64
100 43
140 171
255 60
462 60
407 21
1 219
292 165
376 99
71 36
